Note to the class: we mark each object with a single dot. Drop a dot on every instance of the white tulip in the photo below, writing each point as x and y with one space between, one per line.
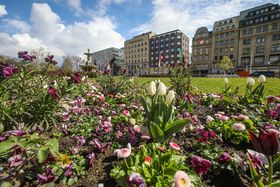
262 79
251 81
226 81
161 89
152 88
170 97
45 86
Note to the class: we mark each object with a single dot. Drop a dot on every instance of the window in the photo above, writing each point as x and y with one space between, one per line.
246 51
260 39
259 60
272 16
265 28
274 26
276 37
257 20
245 61
273 8
260 50
232 42
226 50
231 49
247 41
221 43
227 34
275 48
259 29
226 42
216 57
274 58
222 35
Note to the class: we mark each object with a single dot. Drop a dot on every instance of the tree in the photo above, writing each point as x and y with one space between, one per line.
225 64
67 65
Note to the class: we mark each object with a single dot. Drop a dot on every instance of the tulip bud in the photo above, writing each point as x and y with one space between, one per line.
161 89
226 81
152 88
262 79
170 97
209 119
251 81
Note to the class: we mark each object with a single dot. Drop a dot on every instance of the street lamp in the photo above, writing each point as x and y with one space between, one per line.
268 67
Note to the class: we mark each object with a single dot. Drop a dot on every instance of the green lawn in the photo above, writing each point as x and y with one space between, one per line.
272 85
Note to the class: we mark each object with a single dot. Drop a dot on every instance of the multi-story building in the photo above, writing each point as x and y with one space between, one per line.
201 51
137 53
172 47
259 43
225 42
103 57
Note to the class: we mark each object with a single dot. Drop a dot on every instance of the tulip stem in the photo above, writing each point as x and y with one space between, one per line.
270 169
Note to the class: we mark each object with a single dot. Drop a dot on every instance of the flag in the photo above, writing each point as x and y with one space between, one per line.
160 59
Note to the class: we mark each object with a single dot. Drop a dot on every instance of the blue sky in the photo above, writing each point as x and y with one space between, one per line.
71 26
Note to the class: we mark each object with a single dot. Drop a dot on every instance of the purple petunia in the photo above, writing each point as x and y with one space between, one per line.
200 165
25 56
137 179
8 71
50 60
47 177
224 158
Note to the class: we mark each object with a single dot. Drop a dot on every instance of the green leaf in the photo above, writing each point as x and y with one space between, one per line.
6 145
156 132
174 127
54 144
6 184
42 154
275 184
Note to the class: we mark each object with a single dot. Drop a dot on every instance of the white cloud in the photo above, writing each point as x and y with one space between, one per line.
75 5
17 25
3 10
48 31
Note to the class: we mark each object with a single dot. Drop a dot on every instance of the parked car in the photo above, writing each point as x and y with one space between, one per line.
265 73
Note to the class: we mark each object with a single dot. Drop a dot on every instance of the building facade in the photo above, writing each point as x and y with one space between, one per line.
259 41
172 47
201 51
103 57
137 53
224 42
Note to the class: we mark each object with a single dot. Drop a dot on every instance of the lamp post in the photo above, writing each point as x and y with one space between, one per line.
268 67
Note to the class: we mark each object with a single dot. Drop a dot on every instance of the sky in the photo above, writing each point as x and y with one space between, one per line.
70 27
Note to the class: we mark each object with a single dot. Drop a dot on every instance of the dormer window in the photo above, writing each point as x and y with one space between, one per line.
273 8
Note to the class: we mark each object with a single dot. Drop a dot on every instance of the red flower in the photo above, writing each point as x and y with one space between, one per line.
267 142
76 78
200 165
272 114
53 92
148 160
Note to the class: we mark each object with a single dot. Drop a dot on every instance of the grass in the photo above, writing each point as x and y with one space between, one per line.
272 85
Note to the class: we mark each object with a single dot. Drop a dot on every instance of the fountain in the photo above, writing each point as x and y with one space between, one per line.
90 69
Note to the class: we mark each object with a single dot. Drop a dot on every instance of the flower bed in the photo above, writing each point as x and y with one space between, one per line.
68 131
